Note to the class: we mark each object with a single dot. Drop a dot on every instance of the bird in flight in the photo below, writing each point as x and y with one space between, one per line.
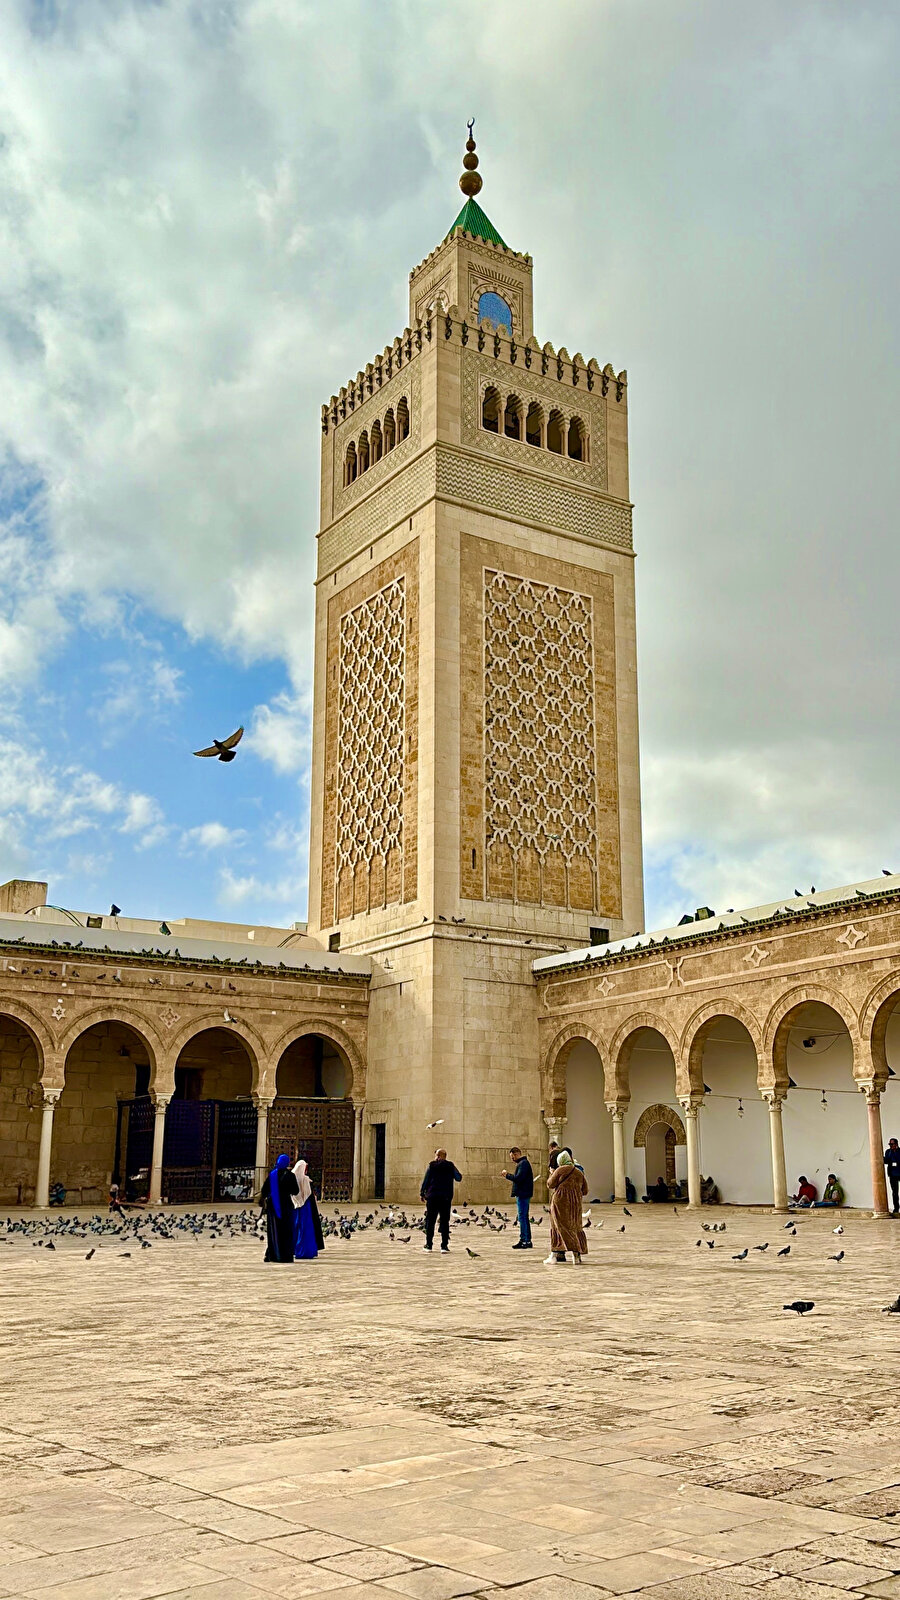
223 748
435 1124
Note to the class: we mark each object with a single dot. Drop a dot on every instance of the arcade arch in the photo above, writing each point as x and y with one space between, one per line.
106 1063
734 1121
813 1060
20 1101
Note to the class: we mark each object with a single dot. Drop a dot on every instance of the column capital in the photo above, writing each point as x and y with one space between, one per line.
555 1124
161 1101
263 1102
617 1109
49 1095
871 1090
690 1105
774 1098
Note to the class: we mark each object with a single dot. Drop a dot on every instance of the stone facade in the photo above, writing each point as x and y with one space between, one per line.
800 998
521 792
82 1030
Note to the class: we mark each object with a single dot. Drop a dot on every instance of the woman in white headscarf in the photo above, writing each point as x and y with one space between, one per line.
308 1239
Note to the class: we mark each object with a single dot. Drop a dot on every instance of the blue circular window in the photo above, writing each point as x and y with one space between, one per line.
494 307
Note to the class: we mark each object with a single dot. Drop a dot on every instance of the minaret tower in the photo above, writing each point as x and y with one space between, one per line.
475 786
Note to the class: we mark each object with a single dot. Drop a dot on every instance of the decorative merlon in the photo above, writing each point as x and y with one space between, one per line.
451 327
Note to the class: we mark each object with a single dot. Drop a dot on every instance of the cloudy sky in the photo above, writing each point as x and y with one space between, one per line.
207 216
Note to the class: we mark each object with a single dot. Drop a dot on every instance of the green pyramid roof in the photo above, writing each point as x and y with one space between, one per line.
473 220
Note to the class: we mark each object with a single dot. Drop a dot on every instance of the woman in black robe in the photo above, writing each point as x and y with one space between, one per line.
276 1201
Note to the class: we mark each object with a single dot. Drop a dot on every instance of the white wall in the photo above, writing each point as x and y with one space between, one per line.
589 1126
734 1149
652 1081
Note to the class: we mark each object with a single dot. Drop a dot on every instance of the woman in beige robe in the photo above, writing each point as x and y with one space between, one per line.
567 1186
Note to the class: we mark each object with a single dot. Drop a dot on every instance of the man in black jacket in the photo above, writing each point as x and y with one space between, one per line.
522 1180
437 1192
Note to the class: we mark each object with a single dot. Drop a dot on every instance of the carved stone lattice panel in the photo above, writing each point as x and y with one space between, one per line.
539 767
540 788
371 737
371 742
479 371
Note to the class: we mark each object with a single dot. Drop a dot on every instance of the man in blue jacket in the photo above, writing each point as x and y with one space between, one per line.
522 1180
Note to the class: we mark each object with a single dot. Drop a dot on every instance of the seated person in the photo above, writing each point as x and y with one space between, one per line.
659 1190
709 1192
807 1193
834 1193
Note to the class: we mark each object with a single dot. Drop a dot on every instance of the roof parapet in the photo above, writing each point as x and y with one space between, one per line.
484 244
486 336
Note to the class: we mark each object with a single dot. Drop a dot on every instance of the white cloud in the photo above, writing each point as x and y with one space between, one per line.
731 829
42 804
280 733
207 214
212 836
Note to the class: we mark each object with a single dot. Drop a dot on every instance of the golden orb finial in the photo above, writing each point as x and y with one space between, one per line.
471 180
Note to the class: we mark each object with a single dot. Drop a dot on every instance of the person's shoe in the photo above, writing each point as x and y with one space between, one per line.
520 1245
577 1259
554 1261
426 1247
528 1245
445 1249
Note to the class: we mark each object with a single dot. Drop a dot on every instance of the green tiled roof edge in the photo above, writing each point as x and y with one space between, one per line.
473 220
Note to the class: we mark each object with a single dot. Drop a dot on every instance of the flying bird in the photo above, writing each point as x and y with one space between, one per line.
224 749
437 1123
800 1306
839 1228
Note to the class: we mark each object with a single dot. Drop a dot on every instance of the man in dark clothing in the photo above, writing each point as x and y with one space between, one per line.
553 1154
522 1180
437 1192
892 1162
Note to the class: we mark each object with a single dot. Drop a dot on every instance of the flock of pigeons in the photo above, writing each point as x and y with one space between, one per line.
140 1229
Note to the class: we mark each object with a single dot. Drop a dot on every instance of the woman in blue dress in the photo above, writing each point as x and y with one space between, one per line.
308 1239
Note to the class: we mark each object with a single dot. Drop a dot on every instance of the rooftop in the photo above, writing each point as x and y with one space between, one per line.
702 926
476 222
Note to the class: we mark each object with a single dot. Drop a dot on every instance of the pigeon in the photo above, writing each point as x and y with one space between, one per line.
761 1247
473 1254
126 1255
789 1224
437 1123
742 1257
895 1307
838 1229
786 1251
838 1257
710 1244
625 1211
800 1306
224 749
228 1017
89 1254
622 1229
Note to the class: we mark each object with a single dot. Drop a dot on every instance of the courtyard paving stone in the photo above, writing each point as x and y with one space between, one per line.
190 1422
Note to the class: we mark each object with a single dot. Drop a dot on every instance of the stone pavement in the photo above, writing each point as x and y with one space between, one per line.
186 1421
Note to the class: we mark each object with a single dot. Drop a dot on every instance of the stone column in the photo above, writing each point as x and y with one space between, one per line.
775 1099
617 1112
876 1148
263 1106
161 1102
555 1126
691 1109
357 1152
42 1185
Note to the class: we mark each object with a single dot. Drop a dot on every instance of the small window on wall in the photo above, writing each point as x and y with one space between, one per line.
490 410
495 308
